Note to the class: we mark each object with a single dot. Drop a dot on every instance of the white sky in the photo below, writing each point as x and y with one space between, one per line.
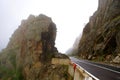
70 16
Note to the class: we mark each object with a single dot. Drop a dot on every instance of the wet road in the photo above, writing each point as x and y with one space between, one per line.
98 71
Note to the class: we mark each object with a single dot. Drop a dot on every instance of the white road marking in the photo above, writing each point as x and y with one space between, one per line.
88 72
99 66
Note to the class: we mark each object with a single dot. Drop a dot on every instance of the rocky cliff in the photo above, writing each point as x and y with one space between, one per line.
101 36
31 52
74 49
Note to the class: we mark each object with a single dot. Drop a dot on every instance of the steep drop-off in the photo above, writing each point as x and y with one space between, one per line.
30 52
101 36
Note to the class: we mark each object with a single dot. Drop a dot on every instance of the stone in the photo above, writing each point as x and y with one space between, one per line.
108 57
116 59
60 61
90 57
118 54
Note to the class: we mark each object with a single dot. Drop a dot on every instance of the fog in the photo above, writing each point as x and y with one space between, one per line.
70 16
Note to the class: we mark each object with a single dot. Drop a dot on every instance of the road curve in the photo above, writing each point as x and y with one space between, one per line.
101 73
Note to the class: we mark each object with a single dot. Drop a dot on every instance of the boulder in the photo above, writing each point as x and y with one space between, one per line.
117 59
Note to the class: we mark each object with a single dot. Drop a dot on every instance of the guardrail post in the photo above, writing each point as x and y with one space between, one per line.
74 67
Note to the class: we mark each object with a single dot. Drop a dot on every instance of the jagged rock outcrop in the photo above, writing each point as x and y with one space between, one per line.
101 36
34 42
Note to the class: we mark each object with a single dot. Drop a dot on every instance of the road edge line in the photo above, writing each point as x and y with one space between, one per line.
87 72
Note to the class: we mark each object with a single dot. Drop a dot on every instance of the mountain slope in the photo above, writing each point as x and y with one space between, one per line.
101 36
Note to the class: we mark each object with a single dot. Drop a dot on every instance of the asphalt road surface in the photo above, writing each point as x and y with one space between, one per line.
101 72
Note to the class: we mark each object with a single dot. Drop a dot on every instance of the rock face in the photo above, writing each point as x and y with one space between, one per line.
74 49
34 42
101 36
